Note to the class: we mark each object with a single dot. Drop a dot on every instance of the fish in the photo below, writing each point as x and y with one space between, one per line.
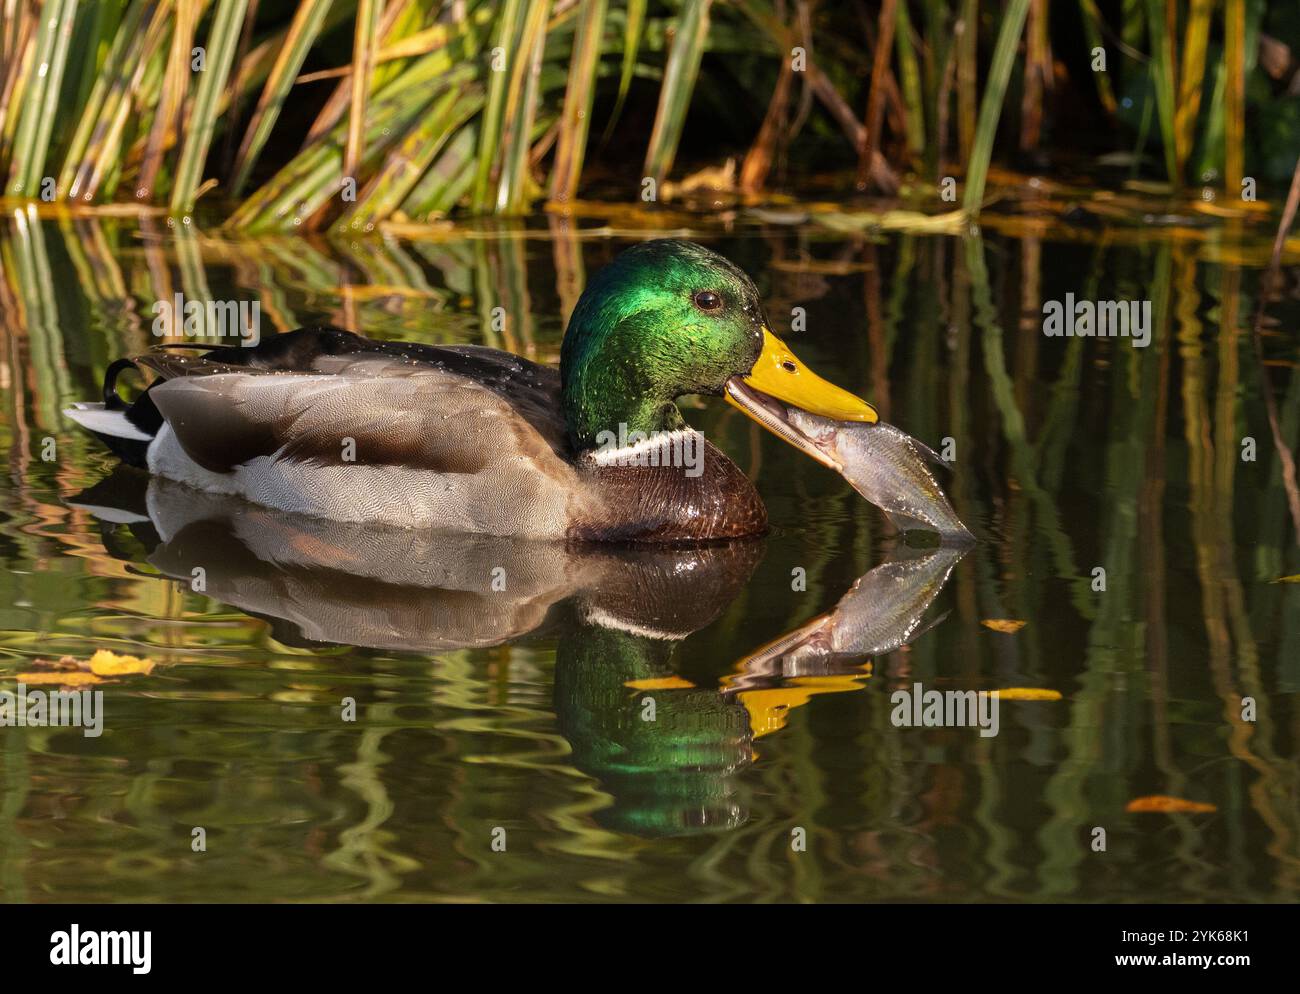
884 464
888 467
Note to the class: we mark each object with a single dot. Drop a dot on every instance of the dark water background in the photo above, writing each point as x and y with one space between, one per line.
476 714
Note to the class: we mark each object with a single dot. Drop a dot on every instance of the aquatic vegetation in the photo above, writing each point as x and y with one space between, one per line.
346 114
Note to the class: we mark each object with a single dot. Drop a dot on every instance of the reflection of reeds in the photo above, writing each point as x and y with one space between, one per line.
1214 442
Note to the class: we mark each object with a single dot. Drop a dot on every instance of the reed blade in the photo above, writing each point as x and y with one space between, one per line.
113 69
575 117
223 38
1191 77
408 160
876 95
363 60
1093 36
1234 111
679 83
967 80
32 142
1162 78
175 84
302 34
909 74
521 113
633 26
995 91
504 62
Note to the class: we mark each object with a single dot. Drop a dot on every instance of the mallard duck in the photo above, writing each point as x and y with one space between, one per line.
321 421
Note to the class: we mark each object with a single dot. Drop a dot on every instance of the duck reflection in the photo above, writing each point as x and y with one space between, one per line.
668 752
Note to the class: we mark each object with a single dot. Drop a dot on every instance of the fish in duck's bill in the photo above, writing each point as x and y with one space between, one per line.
885 465
890 468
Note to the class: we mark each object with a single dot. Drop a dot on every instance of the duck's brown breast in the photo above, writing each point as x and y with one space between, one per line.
662 504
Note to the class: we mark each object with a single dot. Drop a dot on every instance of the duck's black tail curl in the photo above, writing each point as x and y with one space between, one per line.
126 428
112 402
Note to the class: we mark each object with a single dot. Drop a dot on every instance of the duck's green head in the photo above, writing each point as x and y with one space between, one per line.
668 318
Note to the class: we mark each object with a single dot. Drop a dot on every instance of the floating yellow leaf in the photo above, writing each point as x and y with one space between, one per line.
1007 625
1231 209
660 683
70 672
105 663
768 709
1027 694
62 678
1164 803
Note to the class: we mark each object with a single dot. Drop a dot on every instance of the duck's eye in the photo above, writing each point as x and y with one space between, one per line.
707 300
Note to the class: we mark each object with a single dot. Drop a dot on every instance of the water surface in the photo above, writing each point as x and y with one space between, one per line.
480 711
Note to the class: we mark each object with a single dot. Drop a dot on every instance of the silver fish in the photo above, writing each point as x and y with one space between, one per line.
886 466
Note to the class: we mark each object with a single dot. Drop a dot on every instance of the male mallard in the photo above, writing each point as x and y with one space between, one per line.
323 422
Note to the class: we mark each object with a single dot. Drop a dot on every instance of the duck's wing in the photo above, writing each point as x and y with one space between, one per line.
327 397
326 349
460 437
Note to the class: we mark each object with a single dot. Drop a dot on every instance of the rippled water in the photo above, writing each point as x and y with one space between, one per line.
523 711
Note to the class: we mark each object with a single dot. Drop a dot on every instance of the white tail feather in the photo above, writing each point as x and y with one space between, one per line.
96 418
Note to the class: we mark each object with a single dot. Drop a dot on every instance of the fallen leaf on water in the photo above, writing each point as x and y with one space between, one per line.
70 672
660 683
1230 209
1028 694
61 677
1166 804
105 663
1007 625
769 709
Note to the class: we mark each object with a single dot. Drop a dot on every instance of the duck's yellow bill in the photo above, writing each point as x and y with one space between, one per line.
779 374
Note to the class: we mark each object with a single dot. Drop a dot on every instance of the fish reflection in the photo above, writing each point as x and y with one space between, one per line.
881 612
618 617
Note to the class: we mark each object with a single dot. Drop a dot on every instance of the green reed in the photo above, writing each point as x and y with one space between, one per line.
135 100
